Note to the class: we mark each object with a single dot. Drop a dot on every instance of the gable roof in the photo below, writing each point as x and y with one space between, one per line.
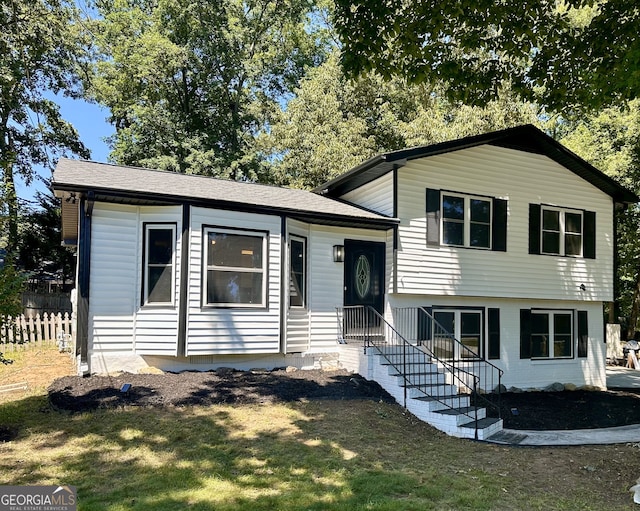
526 138
135 185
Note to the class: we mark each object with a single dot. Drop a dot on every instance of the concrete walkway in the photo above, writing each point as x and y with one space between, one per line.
617 377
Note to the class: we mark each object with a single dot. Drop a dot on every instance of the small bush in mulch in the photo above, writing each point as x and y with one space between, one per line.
76 394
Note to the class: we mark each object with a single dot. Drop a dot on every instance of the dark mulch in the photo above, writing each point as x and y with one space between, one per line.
578 409
528 410
205 388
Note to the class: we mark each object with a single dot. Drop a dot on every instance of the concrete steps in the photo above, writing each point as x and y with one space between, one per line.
430 394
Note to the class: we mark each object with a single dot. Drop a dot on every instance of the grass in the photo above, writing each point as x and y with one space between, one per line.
316 455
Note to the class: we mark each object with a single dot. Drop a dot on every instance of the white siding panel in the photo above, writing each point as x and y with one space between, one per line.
521 178
297 319
117 322
376 195
527 373
112 287
233 330
157 327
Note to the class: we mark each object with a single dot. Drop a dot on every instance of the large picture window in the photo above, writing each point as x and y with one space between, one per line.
159 263
298 273
235 268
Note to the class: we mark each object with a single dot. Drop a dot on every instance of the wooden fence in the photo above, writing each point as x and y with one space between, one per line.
22 332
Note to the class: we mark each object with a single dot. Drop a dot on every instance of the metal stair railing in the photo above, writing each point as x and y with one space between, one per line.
415 362
452 354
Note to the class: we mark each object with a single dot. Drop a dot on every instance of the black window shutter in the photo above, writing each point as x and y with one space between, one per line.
494 333
433 217
589 239
583 334
525 333
424 323
499 227
534 228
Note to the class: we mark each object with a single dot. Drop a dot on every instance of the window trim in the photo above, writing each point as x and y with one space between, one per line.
458 311
299 239
146 227
206 230
551 314
466 221
562 233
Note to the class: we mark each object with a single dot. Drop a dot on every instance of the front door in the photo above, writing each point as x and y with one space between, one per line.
364 274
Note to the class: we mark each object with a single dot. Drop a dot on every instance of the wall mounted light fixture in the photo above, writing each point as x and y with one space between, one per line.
338 253
582 287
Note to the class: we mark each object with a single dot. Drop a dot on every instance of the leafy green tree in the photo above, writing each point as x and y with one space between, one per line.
610 140
189 82
40 53
565 55
333 123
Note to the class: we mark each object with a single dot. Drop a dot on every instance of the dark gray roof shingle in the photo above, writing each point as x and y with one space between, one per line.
102 178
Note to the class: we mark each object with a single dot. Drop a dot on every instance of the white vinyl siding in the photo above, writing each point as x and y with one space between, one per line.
326 280
156 328
376 195
297 318
520 178
530 373
116 320
214 330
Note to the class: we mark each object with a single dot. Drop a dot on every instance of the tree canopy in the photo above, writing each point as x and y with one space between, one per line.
333 123
568 55
189 82
41 54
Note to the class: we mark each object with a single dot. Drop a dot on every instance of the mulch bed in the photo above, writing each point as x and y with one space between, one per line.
527 410
578 409
206 388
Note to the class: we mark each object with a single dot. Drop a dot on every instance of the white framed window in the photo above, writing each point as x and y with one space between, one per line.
158 286
561 231
297 272
466 220
235 268
465 325
551 334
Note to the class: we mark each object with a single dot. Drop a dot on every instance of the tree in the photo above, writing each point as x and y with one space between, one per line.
189 82
333 123
39 250
40 54
610 140
568 55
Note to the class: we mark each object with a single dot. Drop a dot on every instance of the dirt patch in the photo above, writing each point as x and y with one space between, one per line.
30 369
206 388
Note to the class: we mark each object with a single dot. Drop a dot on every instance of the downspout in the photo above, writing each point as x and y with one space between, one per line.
84 271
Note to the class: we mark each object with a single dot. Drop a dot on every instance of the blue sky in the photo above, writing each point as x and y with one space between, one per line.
90 121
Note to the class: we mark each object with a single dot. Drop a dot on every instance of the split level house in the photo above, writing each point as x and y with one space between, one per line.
497 248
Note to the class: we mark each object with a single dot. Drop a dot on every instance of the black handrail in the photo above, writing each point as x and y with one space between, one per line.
464 371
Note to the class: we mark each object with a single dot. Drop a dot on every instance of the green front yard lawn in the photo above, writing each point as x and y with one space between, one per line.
333 455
